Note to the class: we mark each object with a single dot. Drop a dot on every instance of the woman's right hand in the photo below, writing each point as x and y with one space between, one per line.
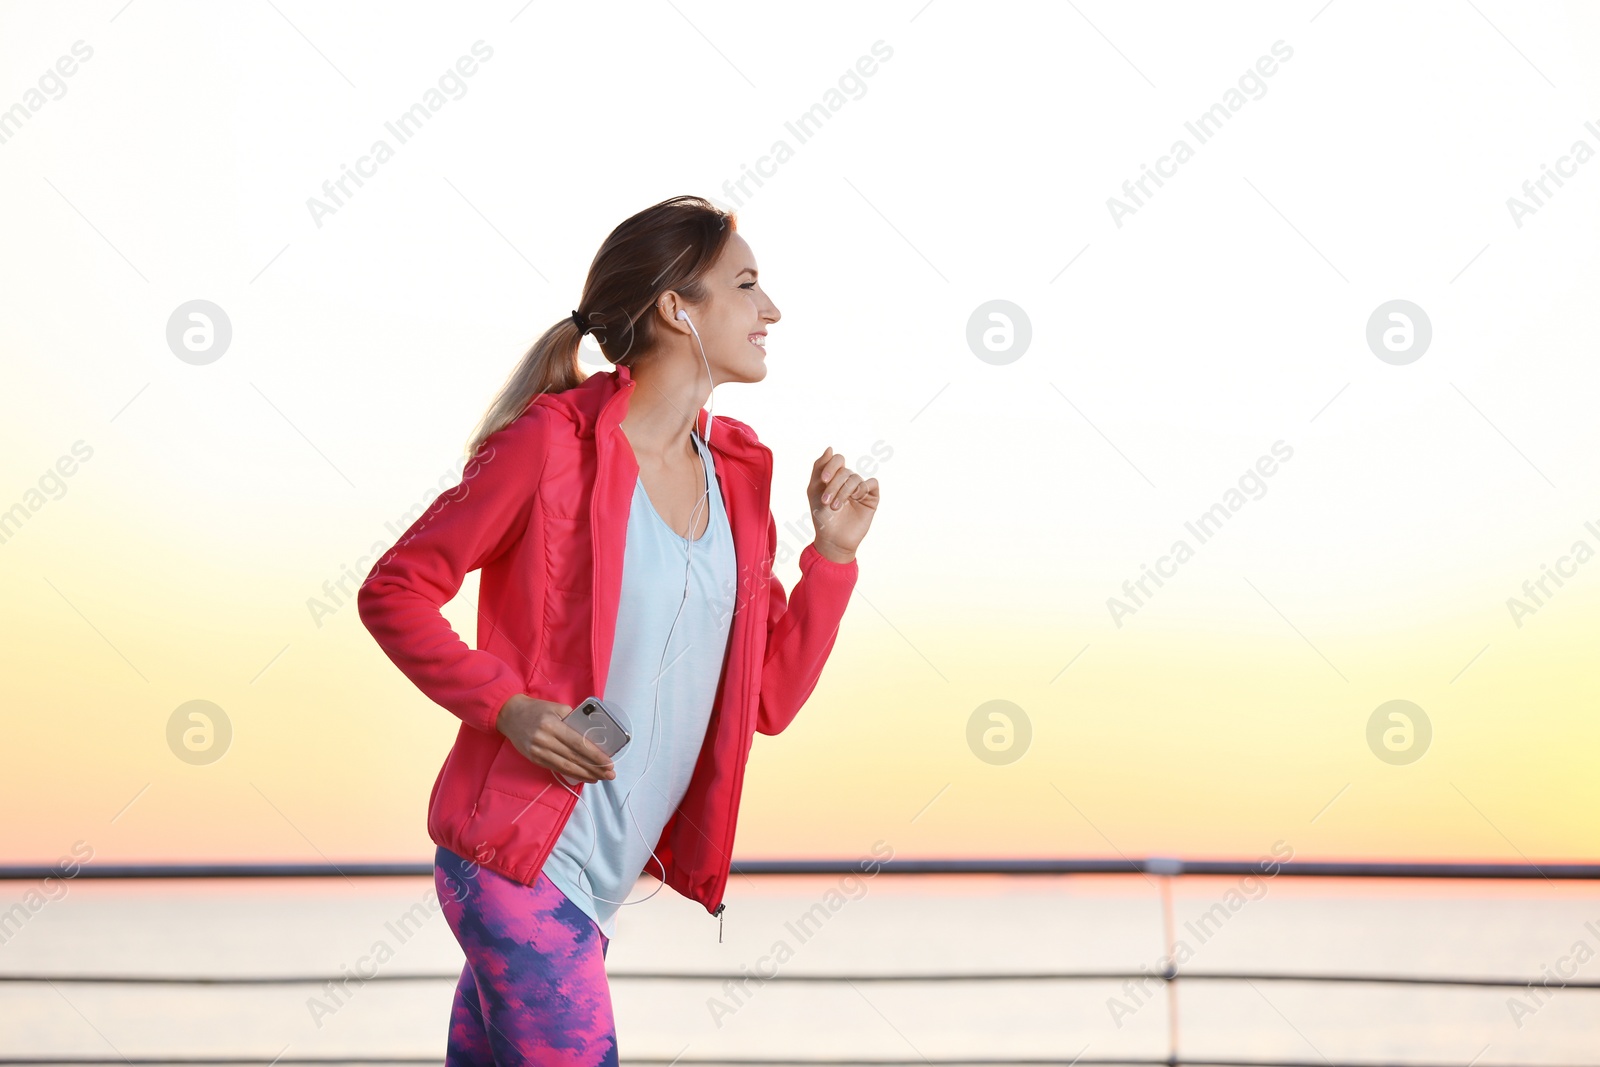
538 730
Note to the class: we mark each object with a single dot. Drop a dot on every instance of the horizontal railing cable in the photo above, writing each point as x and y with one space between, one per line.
721 976
745 1061
1153 865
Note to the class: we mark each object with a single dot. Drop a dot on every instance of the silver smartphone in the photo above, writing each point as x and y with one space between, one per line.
603 724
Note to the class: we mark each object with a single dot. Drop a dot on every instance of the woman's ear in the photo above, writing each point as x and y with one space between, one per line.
669 306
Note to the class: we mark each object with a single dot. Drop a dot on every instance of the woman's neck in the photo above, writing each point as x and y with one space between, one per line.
661 415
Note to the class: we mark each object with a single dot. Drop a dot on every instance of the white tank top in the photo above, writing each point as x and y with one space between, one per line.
668 741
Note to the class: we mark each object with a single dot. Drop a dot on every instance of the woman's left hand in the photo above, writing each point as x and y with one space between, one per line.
842 506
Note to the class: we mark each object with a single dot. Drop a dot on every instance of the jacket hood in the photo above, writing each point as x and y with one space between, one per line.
602 398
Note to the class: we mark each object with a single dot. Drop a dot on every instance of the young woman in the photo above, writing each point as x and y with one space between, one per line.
626 544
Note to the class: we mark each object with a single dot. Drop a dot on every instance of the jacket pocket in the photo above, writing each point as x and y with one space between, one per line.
513 829
519 810
516 775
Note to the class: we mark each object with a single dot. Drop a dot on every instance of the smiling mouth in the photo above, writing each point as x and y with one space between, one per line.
759 340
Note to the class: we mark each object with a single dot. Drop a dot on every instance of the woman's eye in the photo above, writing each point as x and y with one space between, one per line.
746 285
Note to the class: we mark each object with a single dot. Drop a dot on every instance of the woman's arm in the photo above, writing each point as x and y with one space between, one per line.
468 525
800 632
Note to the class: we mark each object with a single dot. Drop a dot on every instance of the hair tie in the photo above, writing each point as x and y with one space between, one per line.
578 321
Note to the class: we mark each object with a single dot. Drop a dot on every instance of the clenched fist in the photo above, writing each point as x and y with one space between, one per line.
842 506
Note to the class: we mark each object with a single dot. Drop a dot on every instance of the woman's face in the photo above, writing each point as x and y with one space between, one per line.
733 318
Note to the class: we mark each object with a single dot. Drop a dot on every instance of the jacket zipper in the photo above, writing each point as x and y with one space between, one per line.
721 905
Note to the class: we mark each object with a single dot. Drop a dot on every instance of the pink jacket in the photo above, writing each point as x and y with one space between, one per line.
543 510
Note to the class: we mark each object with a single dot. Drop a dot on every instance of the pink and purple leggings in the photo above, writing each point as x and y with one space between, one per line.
533 992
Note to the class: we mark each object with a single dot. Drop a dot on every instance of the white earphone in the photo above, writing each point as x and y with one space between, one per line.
655 719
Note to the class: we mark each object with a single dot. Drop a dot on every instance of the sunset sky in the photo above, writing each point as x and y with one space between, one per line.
179 519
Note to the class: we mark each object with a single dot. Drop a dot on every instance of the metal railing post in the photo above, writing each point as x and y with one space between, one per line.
1166 869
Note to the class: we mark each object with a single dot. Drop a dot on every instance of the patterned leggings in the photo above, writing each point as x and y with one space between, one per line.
533 992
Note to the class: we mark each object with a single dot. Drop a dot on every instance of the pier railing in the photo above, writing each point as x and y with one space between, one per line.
1163 871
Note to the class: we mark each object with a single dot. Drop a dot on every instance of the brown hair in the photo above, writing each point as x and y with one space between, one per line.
668 246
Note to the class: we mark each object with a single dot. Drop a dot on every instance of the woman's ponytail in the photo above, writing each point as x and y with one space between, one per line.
549 366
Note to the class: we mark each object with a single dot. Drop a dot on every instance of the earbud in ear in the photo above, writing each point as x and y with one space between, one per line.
684 315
